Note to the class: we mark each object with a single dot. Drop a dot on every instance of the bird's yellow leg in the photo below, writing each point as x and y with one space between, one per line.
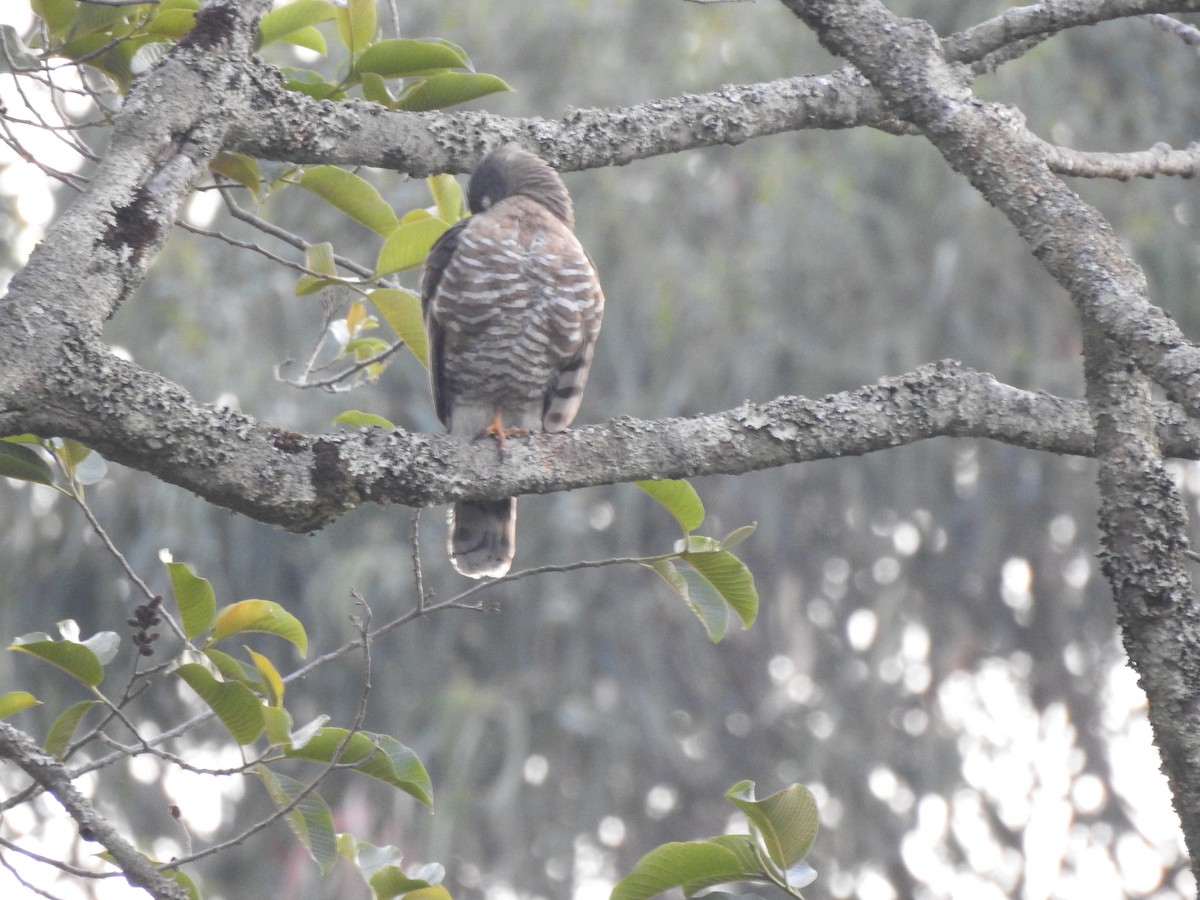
496 429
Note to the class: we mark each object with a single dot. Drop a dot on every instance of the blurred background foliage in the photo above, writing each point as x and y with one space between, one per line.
936 654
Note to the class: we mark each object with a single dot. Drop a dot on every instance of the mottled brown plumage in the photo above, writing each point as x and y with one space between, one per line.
512 306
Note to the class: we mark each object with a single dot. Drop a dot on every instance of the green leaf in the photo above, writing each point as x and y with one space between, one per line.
365 348
77 660
319 259
447 89
277 723
234 704
354 196
230 668
189 886
285 21
310 820
401 309
377 755
356 419
92 18
260 615
59 15
786 821
391 881
172 23
62 730
737 536
24 464
447 194
195 598
357 23
708 606
676 864
309 38
15 701
406 57
272 683
680 500
432 892
238 167
375 89
729 577
408 245
306 81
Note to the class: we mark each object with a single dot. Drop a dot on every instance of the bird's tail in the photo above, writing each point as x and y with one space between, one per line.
483 537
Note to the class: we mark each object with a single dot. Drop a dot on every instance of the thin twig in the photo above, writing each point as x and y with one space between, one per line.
17 875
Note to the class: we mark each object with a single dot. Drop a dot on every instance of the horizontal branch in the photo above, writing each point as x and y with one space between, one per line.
305 481
291 126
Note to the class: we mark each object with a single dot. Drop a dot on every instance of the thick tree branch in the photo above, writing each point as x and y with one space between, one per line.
1143 531
291 126
1142 515
988 143
52 775
303 482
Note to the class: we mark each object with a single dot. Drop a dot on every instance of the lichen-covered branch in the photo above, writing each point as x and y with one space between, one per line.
1142 514
20 749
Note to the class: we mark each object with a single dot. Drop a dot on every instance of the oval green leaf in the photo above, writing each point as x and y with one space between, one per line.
277 722
701 599
401 309
238 167
265 616
737 536
406 57
357 22
676 864
230 668
377 755
354 418
408 245
279 23
172 23
310 819
24 464
354 196
237 708
75 659
447 194
272 683
449 88
15 701
58 738
787 821
729 577
679 498
195 598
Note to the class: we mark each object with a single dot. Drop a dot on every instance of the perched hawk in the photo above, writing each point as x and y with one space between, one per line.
512 306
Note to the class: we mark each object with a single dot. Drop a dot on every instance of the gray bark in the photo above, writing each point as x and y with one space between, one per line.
59 379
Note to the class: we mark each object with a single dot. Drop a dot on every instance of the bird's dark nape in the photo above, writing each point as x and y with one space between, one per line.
510 169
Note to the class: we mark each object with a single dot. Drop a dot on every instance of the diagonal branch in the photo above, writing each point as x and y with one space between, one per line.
1142 515
52 775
